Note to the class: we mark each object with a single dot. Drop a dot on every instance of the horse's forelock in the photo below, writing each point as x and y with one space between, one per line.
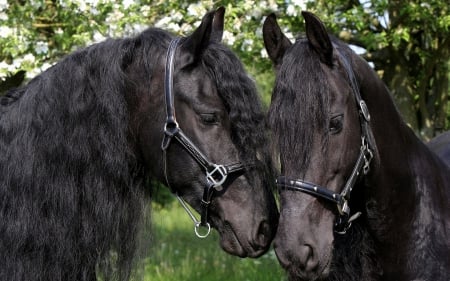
238 92
299 105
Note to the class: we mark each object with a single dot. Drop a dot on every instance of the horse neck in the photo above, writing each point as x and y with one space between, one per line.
407 189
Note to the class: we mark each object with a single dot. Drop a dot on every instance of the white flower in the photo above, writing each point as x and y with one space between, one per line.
5 67
228 38
5 31
289 35
145 11
139 27
98 37
127 3
264 53
247 45
291 10
174 27
273 6
162 23
82 7
29 58
294 7
176 17
17 63
196 10
300 3
45 66
3 15
41 47
3 5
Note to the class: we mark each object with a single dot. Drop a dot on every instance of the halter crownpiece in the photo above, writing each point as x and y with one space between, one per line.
216 174
362 165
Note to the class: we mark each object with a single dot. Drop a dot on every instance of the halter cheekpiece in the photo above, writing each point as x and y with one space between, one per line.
216 174
362 164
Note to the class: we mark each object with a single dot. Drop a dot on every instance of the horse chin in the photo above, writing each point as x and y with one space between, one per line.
320 272
230 243
296 274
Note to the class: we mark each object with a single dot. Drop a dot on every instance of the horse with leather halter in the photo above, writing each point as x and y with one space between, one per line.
362 198
79 142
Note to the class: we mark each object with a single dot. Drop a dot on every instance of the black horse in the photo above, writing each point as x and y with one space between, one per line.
396 223
441 146
78 143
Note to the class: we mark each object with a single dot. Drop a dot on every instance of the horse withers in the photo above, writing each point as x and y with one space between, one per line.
362 198
441 146
78 142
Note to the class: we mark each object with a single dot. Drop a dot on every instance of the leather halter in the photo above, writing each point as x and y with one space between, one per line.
216 174
362 164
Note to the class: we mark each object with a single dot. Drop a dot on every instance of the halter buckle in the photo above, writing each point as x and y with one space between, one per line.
345 223
343 208
217 176
368 155
170 129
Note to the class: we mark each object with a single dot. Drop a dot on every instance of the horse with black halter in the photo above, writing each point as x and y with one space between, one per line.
362 198
78 142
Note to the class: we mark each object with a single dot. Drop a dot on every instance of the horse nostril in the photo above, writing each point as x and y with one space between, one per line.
306 258
264 235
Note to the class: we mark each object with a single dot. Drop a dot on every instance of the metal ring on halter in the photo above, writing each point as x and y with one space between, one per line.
219 170
197 223
197 227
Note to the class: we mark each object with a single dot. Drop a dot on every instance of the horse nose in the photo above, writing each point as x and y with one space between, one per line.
262 239
298 256
264 235
307 262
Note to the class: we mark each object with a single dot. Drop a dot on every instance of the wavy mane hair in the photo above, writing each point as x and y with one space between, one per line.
72 194
295 116
238 91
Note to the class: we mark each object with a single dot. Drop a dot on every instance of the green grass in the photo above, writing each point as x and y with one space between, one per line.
177 254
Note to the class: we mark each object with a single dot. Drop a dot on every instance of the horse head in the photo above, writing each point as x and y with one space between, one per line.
321 126
201 133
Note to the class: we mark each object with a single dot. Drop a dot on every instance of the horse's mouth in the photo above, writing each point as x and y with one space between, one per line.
322 273
294 274
230 242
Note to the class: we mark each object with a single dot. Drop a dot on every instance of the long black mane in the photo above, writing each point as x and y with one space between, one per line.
69 182
71 187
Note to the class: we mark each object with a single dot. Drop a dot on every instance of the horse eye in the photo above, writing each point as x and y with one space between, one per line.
209 118
336 124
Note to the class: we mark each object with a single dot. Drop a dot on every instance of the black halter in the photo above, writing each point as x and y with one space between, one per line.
216 174
362 165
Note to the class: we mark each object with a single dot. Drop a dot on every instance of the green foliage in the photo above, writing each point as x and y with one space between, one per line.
161 195
408 44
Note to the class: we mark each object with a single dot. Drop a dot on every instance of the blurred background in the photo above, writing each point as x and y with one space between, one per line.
406 42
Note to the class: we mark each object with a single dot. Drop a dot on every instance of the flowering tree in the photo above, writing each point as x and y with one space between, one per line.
408 43
35 34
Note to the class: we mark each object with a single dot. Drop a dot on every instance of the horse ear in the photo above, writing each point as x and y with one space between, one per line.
275 41
217 25
198 41
318 37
